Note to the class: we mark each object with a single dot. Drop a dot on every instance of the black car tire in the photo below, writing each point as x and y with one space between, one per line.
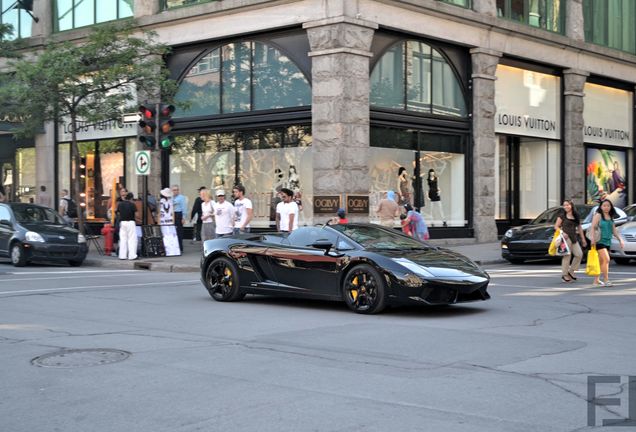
363 290
17 255
222 280
516 260
76 263
622 261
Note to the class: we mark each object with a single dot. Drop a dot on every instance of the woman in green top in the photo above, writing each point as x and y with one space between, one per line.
604 220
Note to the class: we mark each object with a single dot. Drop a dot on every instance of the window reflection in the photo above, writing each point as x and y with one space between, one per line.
17 18
71 14
241 77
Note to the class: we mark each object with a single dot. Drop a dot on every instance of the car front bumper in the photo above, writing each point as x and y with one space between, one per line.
55 252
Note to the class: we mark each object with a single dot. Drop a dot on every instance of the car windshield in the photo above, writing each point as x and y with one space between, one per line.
550 215
631 210
34 214
378 238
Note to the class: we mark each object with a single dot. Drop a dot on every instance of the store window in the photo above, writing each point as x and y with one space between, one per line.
101 168
25 187
263 160
611 23
240 77
19 19
70 14
413 76
545 14
442 203
169 4
462 3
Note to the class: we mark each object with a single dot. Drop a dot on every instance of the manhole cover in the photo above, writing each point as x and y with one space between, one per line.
75 358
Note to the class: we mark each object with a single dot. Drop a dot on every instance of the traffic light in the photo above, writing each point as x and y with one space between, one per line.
165 126
148 124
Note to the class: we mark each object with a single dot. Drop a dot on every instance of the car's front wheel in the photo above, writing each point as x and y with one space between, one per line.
364 290
18 257
222 280
622 261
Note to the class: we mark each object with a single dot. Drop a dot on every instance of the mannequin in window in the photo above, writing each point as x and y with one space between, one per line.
403 186
293 179
434 195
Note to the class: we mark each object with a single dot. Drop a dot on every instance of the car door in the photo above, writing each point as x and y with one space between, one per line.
302 269
6 229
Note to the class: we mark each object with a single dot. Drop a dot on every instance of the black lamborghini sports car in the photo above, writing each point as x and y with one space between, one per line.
367 266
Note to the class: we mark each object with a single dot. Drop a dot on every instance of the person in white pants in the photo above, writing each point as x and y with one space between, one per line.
127 229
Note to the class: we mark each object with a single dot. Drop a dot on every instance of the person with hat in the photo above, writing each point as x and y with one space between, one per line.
223 215
196 211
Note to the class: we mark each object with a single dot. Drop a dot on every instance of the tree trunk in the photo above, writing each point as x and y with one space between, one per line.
75 157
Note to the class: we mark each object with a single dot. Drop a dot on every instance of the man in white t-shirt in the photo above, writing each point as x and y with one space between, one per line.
244 210
223 215
287 212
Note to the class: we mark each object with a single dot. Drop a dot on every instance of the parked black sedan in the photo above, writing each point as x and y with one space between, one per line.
532 241
30 232
367 266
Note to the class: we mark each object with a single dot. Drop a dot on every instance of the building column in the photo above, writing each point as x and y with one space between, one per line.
45 161
574 23
574 147
484 63
340 105
43 11
486 7
146 7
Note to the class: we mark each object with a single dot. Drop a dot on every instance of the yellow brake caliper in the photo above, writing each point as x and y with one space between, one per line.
354 291
228 275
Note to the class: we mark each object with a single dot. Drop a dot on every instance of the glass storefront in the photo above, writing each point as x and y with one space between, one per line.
393 149
101 168
263 160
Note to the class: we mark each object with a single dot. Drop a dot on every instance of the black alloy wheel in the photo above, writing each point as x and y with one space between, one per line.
18 257
622 261
221 280
364 290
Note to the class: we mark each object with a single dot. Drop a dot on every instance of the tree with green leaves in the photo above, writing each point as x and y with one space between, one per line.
88 82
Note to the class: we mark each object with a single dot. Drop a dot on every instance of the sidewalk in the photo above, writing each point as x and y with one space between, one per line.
481 253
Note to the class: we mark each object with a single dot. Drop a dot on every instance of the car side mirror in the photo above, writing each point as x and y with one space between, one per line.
322 244
6 222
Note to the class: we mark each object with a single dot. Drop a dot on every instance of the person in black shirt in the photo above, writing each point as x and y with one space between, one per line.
197 211
126 210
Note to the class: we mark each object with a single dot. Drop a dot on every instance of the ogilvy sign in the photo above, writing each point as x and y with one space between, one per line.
528 103
607 116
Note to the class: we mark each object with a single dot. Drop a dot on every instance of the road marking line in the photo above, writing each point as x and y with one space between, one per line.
97 286
56 278
68 271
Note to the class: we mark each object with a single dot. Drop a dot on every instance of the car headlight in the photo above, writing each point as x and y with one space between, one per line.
81 238
508 233
34 237
415 268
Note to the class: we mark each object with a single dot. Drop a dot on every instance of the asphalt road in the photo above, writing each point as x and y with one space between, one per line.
183 362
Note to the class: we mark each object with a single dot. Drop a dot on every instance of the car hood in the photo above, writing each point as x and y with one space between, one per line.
52 231
437 261
533 232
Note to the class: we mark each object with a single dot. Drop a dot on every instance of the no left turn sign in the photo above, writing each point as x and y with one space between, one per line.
142 162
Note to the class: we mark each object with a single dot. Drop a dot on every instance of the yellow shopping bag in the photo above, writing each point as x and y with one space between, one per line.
552 250
593 267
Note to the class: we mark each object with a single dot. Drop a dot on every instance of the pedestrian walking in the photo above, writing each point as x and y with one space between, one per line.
196 212
44 198
126 210
340 218
207 215
388 209
223 215
67 208
179 203
603 221
287 212
418 227
244 210
569 223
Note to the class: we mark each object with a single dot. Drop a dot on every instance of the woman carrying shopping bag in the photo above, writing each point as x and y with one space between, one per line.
603 221
569 223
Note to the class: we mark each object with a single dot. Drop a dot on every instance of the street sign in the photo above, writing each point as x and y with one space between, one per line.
142 162
130 118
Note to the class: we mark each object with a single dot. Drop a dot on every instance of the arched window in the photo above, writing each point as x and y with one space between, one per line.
412 76
242 76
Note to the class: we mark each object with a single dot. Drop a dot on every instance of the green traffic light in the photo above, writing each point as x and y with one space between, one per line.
166 141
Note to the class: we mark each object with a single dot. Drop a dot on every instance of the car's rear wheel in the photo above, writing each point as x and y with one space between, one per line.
364 290
222 280
18 257
622 261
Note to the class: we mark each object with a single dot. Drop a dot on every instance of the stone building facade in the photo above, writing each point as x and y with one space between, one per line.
351 141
